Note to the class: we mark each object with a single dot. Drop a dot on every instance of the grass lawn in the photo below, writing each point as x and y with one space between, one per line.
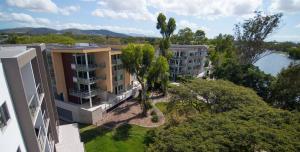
126 138
162 106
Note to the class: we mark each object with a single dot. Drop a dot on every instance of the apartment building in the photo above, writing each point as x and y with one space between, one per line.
88 81
187 60
28 117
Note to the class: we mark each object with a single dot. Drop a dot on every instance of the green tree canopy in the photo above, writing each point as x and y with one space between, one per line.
221 116
138 60
285 92
166 30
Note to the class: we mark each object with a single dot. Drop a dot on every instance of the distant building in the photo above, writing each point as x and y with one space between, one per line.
88 81
28 117
187 60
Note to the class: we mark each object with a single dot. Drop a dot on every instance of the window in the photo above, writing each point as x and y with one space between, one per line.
4 115
19 149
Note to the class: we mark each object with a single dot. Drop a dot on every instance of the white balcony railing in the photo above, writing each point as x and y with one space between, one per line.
91 80
85 94
41 138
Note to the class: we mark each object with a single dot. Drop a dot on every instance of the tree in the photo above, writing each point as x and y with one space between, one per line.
138 60
246 75
221 116
223 51
251 34
159 73
294 52
285 92
166 30
199 37
185 36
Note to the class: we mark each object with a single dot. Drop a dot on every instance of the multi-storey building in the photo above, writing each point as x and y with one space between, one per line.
88 81
187 60
28 117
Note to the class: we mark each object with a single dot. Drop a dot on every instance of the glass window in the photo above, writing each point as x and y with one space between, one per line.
4 115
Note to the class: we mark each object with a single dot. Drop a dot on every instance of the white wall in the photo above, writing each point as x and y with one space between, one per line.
10 136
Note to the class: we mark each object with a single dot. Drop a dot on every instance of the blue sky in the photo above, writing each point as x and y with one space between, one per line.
139 16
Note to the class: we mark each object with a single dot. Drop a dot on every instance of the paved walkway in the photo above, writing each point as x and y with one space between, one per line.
69 139
130 112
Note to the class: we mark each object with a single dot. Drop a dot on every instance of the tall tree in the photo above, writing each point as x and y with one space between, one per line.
159 73
166 30
138 60
199 37
185 36
251 34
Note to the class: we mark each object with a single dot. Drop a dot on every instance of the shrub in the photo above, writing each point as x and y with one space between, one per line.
148 105
154 118
153 113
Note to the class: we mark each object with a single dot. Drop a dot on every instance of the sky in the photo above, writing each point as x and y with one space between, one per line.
139 16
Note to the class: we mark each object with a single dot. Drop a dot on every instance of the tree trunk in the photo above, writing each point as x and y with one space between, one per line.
143 99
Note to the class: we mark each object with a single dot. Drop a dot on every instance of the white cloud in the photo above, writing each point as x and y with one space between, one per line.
35 5
129 9
290 6
27 20
42 6
194 26
68 10
208 9
88 0
24 19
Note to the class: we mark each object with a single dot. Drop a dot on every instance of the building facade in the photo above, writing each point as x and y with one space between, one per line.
88 81
29 120
187 60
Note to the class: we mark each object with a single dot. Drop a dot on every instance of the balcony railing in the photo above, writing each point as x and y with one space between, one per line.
85 94
91 80
41 138
117 72
116 61
46 120
40 92
34 105
90 67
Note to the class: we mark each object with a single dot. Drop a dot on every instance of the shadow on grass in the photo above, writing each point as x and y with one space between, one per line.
91 134
122 132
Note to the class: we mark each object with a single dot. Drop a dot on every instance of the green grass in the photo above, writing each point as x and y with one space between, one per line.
122 139
162 106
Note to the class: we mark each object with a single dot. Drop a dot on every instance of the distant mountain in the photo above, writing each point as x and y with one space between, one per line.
41 31
137 35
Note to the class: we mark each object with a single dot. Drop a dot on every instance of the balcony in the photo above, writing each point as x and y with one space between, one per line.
85 94
34 105
46 121
117 72
89 67
116 61
41 137
90 80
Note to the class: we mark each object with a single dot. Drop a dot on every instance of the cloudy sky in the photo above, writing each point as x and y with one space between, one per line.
139 16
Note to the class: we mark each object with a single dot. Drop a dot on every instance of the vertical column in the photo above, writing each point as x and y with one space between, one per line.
88 77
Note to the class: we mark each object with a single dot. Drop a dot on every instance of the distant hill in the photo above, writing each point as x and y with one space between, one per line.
41 31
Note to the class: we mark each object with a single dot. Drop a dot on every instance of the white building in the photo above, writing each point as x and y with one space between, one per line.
28 117
187 60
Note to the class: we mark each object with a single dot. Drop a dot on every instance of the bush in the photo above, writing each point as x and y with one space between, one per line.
148 105
154 118
153 113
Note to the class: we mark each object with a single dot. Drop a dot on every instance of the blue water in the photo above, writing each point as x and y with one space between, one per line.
273 63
